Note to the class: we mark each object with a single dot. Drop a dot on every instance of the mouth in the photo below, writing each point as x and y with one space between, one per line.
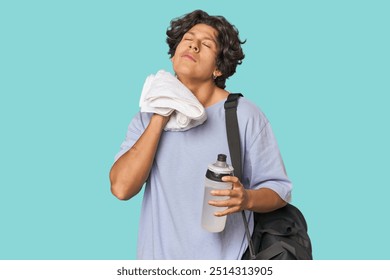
188 56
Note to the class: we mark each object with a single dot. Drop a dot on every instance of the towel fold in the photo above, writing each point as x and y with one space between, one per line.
165 95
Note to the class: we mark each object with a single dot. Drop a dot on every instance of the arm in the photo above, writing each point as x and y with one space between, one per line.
131 170
263 200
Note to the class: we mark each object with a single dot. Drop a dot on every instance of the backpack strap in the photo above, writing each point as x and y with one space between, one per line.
233 134
233 137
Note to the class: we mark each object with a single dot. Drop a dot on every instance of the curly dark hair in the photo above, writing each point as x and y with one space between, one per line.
230 53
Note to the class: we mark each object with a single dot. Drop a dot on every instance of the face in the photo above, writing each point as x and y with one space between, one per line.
195 55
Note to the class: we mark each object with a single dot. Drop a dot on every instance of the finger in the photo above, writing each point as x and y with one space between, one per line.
236 182
221 203
231 202
221 192
236 192
232 179
228 211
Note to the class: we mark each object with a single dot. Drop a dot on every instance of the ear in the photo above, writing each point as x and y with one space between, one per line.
217 73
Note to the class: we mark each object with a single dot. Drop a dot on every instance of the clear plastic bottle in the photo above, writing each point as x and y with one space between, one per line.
213 181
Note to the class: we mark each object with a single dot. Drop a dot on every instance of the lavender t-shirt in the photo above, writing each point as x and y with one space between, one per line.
170 222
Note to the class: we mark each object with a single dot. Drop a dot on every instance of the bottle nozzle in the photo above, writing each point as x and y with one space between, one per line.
221 157
221 160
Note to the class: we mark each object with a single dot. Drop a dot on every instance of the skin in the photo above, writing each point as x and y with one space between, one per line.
194 63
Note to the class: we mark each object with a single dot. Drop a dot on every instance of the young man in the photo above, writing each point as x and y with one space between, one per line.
205 50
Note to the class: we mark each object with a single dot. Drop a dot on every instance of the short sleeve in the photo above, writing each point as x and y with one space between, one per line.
264 167
134 131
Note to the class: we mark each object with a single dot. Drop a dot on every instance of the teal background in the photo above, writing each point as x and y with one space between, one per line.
71 73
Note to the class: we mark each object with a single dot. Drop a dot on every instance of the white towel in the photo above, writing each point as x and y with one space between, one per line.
164 94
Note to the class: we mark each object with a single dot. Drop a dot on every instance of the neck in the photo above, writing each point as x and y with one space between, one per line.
207 93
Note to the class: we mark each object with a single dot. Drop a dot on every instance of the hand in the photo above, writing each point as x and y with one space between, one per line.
238 197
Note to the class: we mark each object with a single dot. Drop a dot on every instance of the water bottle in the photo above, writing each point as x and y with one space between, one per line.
213 181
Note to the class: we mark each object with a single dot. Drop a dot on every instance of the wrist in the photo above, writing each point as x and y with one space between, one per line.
249 200
159 120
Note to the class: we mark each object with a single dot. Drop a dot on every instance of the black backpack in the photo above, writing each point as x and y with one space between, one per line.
277 235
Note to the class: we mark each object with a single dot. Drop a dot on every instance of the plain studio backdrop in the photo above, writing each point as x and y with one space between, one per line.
71 73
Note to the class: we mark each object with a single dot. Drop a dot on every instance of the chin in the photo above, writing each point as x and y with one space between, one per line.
184 74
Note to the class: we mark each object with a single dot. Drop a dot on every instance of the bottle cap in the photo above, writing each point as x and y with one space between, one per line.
219 169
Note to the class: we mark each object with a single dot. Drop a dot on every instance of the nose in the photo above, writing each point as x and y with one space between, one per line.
194 47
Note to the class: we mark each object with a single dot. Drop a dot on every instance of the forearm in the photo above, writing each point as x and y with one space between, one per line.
263 200
131 170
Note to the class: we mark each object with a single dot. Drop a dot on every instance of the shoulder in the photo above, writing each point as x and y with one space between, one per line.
250 114
247 105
